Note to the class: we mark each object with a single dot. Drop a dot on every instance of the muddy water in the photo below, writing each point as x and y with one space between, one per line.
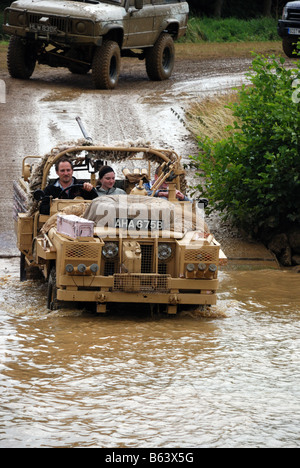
71 379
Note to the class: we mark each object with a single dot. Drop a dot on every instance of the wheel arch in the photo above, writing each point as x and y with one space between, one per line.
114 33
171 27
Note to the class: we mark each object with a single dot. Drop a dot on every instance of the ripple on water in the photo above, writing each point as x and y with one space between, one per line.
70 379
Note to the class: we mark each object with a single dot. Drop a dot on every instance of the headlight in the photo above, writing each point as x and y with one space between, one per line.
15 18
21 19
80 27
285 13
83 27
69 268
81 268
94 268
110 250
164 251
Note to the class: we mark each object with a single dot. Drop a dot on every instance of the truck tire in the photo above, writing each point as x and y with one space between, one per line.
106 65
21 58
290 48
160 59
52 302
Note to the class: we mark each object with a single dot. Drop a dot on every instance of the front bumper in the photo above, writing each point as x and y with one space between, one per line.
103 290
284 27
60 37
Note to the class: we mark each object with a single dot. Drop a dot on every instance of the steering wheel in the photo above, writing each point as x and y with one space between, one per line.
77 190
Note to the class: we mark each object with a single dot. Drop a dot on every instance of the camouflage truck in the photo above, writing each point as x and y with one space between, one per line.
133 248
94 34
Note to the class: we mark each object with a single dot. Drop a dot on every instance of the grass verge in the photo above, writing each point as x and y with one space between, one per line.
203 51
201 29
210 117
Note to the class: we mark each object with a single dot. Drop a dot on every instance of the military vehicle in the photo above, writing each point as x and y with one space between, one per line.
94 34
134 248
289 29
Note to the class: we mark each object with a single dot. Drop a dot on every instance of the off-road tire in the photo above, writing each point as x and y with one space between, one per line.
106 65
21 58
52 302
290 48
160 59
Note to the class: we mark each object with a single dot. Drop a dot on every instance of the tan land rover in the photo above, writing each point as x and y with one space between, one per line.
134 248
93 34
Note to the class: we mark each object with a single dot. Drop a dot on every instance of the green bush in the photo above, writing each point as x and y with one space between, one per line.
253 176
231 30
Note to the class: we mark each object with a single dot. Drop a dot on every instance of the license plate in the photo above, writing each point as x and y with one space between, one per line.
139 224
294 31
43 28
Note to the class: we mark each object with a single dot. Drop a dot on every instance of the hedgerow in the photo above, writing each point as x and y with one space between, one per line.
253 175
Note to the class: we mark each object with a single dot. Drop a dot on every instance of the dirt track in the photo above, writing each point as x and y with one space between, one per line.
41 112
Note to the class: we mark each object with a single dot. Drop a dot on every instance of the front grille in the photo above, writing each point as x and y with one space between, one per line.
110 268
84 253
162 268
294 14
205 254
60 23
147 258
141 283
80 251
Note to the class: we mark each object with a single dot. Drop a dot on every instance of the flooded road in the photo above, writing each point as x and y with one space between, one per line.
72 379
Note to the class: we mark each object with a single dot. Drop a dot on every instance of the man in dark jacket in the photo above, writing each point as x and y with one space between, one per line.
64 170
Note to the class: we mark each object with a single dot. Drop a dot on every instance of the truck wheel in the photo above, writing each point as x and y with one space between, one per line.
106 65
290 48
160 59
52 303
21 58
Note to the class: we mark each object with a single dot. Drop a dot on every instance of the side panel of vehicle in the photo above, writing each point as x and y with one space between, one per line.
141 25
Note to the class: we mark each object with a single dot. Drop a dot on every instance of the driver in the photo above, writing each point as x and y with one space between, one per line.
64 170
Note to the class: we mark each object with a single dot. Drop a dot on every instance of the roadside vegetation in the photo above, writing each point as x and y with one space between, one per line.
201 29
248 164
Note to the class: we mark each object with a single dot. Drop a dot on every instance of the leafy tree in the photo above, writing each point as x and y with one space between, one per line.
253 176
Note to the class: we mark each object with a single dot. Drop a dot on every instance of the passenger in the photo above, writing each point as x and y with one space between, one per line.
107 179
64 170
163 190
